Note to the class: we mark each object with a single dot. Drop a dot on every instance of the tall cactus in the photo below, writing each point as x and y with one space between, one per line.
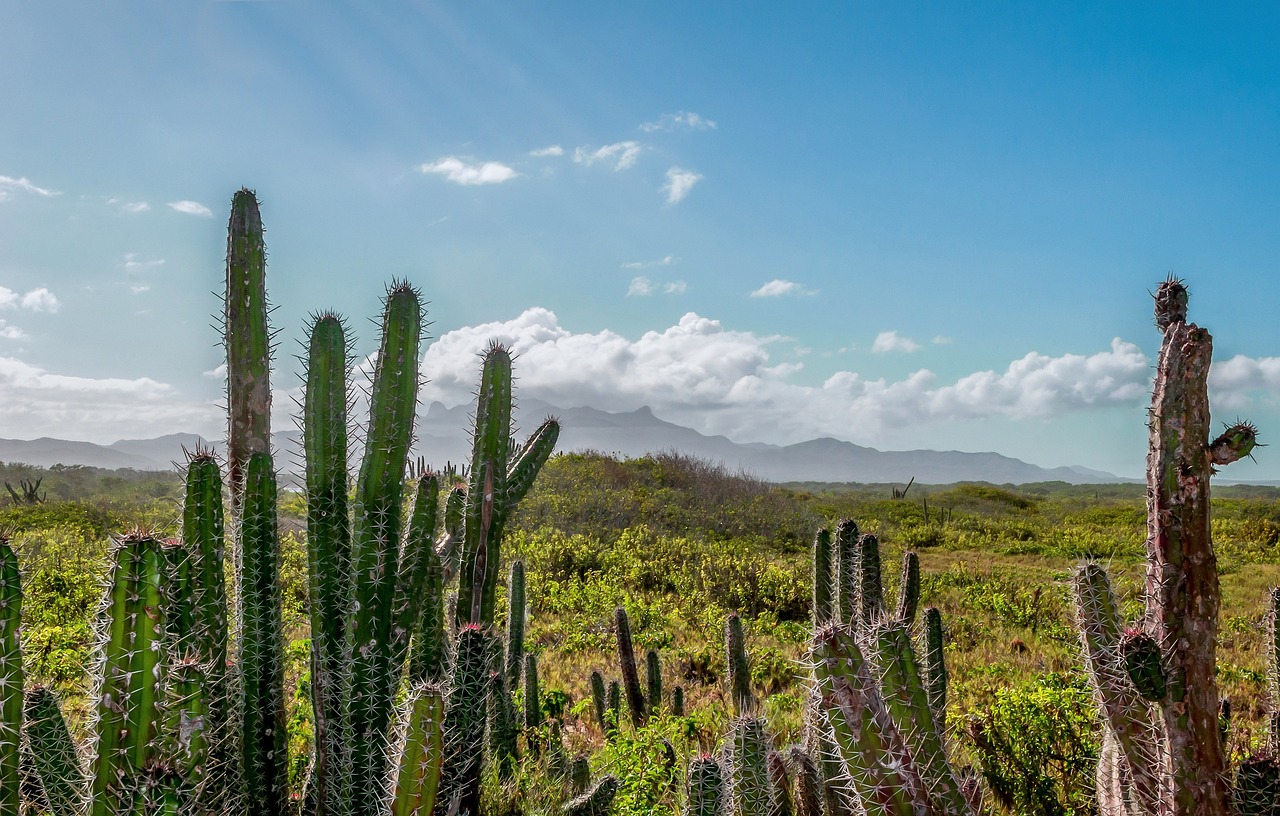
1170 749
11 679
248 340
627 663
53 753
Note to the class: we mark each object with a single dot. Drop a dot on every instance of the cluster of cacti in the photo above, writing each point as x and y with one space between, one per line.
642 702
1163 749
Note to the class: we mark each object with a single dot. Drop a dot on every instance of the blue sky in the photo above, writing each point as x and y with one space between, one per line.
899 224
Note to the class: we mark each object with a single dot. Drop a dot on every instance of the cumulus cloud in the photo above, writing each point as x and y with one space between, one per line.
24 184
666 260
780 288
549 150
1240 381
191 208
39 299
460 172
679 183
887 341
8 332
682 120
33 401
622 155
717 380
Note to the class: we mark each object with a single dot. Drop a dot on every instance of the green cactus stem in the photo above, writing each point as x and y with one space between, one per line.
808 800
261 646
870 582
1257 787
516 613
324 438
595 802
464 722
630 674
738 667
1273 671
746 767
504 730
653 674
677 701
599 700
186 735
908 589
780 784
613 718
428 661
846 572
53 753
579 775
823 584
417 558
247 339
1141 656
935 664
375 536
421 754
11 679
705 796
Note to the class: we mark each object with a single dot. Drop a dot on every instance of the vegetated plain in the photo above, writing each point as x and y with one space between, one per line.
681 543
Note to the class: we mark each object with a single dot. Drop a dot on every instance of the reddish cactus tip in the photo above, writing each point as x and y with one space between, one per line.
1171 302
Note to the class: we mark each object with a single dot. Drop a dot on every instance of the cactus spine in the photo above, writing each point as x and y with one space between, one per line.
248 340
1168 749
746 763
53 753
706 788
11 679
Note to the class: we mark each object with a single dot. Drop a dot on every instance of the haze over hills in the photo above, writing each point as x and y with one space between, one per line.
443 436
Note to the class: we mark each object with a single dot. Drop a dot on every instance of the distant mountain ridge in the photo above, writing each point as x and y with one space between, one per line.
443 436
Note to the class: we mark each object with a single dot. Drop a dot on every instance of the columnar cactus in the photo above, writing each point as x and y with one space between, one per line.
421 742
627 663
1155 684
11 679
737 665
705 795
53 753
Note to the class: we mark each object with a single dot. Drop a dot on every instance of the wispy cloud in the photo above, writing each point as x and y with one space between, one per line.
132 262
781 288
679 183
718 380
130 207
39 299
939 340
24 184
682 120
667 260
8 332
623 155
887 341
550 150
642 286
191 208
469 173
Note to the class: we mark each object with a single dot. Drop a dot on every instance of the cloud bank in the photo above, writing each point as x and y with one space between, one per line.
718 380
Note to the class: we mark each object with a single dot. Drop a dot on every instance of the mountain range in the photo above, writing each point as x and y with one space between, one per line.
443 436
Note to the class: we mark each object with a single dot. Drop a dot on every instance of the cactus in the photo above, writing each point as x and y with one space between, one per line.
421 753
504 730
1257 787
780 782
418 563
653 674
516 613
261 645
53 753
596 801
739 670
908 589
464 722
677 701
808 799
870 587
11 679
1169 752
935 667
185 738
599 701
823 586
627 663
247 339
1273 671
845 571
746 767
705 795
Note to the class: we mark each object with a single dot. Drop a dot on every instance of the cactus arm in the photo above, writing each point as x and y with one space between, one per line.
261 646
375 539
935 665
746 763
248 340
421 753
532 456
177 587
908 705
1182 573
908 589
808 782
111 686
516 613
186 735
324 439
532 696
430 653
822 578
11 679
846 572
627 663
1126 715
705 796
870 581
870 749
53 753
142 741
416 555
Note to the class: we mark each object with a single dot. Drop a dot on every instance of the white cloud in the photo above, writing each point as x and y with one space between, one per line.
191 208
622 154
40 300
134 207
24 184
666 260
640 287
460 172
216 373
550 150
1238 382
679 183
134 263
683 119
33 401
939 340
717 380
779 288
8 332
887 341
674 287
